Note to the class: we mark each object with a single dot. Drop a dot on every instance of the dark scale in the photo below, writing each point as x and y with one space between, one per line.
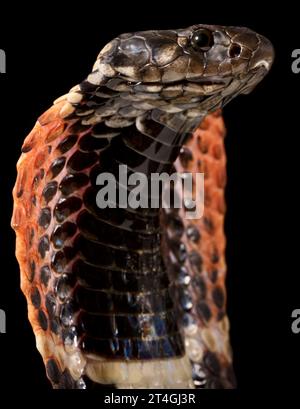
57 166
65 207
63 232
53 371
100 130
123 303
27 147
58 262
90 226
78 127
45 275
31 270
67 382
127 326
64 286
89 143
45 217
100 278
49 191
60 259
80 160
50 303
204 311
35 297
20 193
55 325
196 261
67 143
42 319
106 256
72 182
193 233
156 151
43 246
218 296
198 284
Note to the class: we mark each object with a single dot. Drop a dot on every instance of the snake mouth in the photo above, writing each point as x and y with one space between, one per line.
201 86
203 94
212 80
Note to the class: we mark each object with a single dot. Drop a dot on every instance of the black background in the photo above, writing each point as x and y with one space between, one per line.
50 50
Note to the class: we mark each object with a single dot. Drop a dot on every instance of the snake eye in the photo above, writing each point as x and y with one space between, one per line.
202 39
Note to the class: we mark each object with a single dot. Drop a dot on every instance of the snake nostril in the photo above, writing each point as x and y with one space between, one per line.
235 50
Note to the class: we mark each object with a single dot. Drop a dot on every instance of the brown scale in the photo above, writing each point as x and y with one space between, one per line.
199 276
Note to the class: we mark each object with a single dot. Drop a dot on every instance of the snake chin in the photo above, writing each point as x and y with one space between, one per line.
254 77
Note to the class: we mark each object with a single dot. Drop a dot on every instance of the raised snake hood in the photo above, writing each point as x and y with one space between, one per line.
125 297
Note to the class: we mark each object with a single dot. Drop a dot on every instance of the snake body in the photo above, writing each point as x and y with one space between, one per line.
122 297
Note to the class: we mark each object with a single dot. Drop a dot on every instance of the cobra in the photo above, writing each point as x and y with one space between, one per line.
134 298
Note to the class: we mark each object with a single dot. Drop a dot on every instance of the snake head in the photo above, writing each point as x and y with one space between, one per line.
201 67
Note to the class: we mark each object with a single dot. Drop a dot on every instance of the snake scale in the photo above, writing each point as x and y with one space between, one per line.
123 297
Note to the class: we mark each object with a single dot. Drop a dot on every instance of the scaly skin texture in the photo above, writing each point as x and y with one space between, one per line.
200 291
37 282
50 278
125 297
205 324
